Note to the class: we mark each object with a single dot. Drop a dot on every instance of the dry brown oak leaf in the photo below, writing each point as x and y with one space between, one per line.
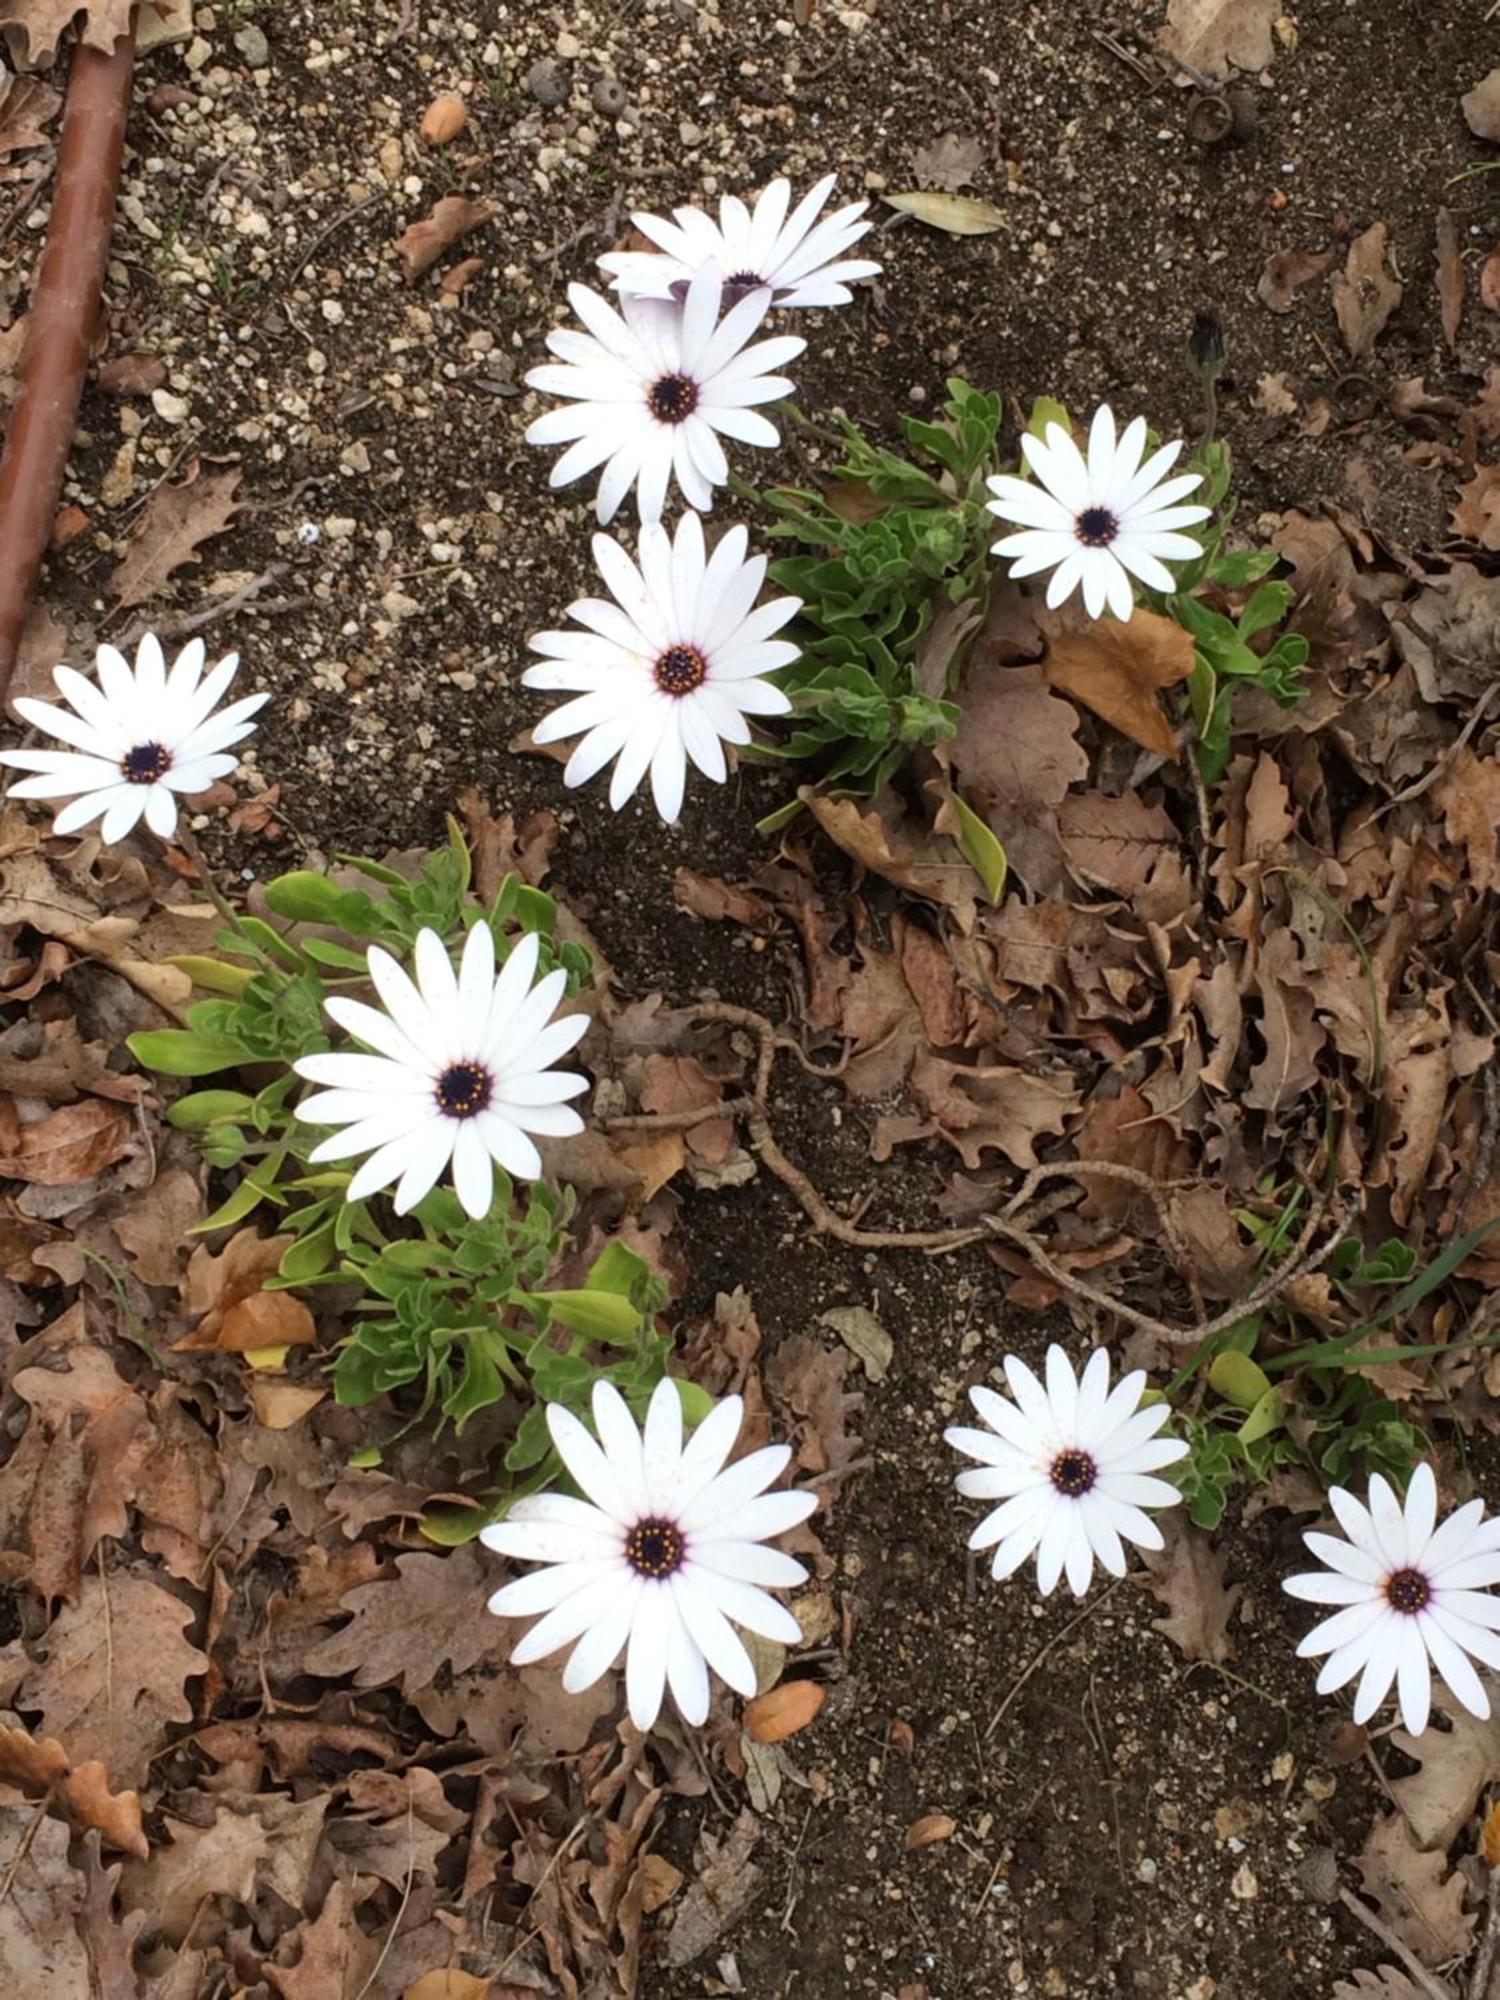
1364 293
43 23
1187 1576
406 1627
114 1677
1216 36
1117 671
43 1762
176 522
1421 1901
40 1948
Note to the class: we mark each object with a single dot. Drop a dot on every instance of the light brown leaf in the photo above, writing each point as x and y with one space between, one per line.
719 902
1217 36
1289 272
114 1676
874 833
26 111
1389 1983
405 1628
278 1405
1120 842
950 162
1187 1576
40 1949
421 244
1437 1800
43 23
1450 275
335 1958
1418 1896
1489 1837
41 1763
1481 107
266 1319
1489 281
71 1144
783 1710
1476 513
448 1983
1119 669
719 1896
1469 794
1292 1035
176 522
216 1860
1364 293
929 1830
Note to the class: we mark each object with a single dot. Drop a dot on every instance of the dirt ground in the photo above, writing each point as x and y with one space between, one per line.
1125 1826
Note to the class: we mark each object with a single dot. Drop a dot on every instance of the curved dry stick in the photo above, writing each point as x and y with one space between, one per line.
64 314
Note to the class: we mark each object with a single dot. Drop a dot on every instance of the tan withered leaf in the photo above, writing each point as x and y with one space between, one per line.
40 1949
73 1143
929 1830
406 1628
1187 1576
1389 1983
873 834
1217 36
1489 1837
1118 670
1438 1800
421 244
216 1860
950 162
176 522
1476 512
28 109
1481 107
266 1319
724 1889
42 1763
43 22
1289 272
1364 293
115 1673
1418 1896
783 1710
334 1958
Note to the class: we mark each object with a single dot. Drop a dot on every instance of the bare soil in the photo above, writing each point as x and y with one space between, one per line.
1130 1827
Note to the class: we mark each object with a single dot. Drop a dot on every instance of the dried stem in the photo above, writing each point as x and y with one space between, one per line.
64 313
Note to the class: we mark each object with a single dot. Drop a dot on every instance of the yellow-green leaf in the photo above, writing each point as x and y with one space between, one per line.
1238 1379
980 848
957 214
213 974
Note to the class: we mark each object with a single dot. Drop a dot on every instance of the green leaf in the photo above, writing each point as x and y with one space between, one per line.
957 214
618 1268
201 1108
696 1401
1238 1379
213 975
1266 1415
450 1526
323 951
1044 411
310 1257
979 847
597 1315
247 1197
186 1051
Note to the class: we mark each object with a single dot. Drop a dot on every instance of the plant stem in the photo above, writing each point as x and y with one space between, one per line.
188 843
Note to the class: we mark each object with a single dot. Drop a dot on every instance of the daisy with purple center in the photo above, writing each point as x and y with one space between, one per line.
1071 1464
663 1556
1097 521
138 738
1413 1599
652 388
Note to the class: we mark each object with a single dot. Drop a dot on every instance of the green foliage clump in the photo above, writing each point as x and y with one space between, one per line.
891 565
454 1315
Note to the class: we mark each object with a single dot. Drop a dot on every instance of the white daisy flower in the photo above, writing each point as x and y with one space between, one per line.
462 1072
668 672
803 259
1414 1598
1070 1464
652 392
1097 521
665 1553
138 738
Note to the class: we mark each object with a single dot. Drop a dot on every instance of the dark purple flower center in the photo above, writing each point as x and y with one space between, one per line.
654 1548
1073 1473
1096 527
680 669
1408 1591
672 399
464 1090
146 764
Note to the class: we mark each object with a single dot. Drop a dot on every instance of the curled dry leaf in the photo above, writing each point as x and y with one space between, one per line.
929 1830
772 1717
1289 272
720 1895
1438 1799
1420 1899
1364 293
1187 1576
954 214
71 1144
421 244
266 1319
1118 670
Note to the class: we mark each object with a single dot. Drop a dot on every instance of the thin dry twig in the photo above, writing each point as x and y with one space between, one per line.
1304 1256
1435 1988
199 621
1012 1693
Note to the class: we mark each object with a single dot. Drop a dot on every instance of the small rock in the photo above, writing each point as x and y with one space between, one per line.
396 604
547 81
608 96
171 409
68 524
1145 1870
1244 1888
252 45
197 54
333 312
